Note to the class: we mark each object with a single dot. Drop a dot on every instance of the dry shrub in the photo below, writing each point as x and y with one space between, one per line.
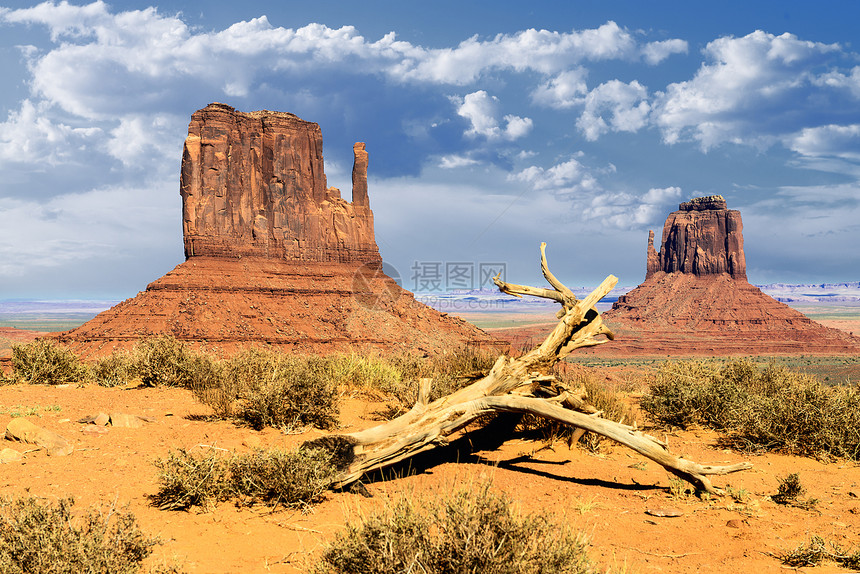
759 408
187 480
118 369
789 491
472 529
288 478
44 362
45 538
819 550
164 360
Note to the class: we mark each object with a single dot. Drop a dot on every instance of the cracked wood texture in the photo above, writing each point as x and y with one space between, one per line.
521 385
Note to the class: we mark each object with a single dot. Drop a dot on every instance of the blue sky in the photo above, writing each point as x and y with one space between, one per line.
491 126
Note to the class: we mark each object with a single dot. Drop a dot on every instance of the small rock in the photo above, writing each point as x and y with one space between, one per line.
127 421
100 419
735 523
854 494
664 511
10 455
92 430
22 430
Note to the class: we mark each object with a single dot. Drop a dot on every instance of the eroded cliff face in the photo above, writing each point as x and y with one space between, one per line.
254 184
703 237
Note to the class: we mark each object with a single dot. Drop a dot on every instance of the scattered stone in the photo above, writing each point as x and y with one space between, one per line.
10 455
94 430
664 511
854 494
128 421
100 419
736 523
22 430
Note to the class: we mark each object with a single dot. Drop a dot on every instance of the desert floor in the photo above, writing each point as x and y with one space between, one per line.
609 496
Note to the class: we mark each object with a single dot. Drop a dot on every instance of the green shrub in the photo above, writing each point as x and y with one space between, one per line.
45 538
759 408
45 362
469 530
289 478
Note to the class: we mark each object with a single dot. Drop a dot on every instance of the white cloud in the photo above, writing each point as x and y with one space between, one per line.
30 136
627 211
456 161
95 225
565 90
828 141
749 91
569 177
614 106
656 52
482 111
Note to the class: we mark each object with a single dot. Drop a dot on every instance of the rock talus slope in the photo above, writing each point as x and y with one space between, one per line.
273 255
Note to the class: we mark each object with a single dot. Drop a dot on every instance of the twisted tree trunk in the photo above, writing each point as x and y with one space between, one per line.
522 385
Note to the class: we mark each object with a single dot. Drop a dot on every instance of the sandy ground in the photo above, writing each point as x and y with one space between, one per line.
605 495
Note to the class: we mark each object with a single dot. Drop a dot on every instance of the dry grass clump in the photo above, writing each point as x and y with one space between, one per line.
45 538
472 529
267 388
44 362
819 550
288 478
768 408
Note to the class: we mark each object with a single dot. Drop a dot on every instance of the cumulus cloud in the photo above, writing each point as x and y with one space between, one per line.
828 141
614 106
482 111
29 135
750 90
455 161
565 90
626 210
570 177
655 52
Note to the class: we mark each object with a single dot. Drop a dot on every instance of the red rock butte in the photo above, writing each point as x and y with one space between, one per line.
273 255
696 298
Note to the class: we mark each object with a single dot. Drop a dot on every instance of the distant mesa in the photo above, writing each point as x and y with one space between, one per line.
273 255
696 298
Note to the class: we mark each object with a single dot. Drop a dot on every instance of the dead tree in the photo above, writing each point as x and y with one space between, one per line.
520 385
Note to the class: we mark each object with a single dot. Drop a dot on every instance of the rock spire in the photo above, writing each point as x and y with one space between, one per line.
254 184
703 237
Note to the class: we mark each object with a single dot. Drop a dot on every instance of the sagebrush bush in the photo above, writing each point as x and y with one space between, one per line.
472 529
117 369
287 478
47 363
187 480
759 408
46 538
297 391
164 360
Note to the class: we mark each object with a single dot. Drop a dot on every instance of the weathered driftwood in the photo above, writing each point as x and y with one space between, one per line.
521 385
